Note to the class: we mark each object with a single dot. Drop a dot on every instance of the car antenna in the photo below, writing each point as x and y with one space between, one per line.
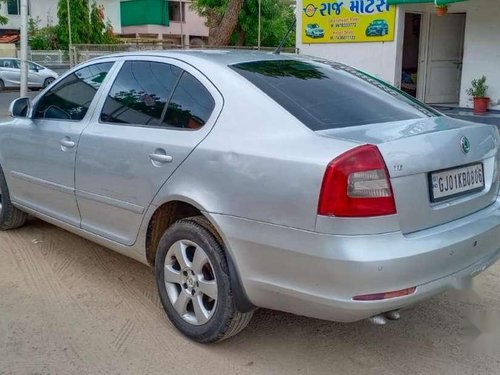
277 51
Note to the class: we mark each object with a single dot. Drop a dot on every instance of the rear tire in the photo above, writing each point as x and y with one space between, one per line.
189 258
10 216
2 86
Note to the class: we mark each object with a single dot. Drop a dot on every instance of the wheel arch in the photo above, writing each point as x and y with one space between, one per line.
176 209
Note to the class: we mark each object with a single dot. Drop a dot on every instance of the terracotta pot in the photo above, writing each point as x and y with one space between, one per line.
441 11
481 105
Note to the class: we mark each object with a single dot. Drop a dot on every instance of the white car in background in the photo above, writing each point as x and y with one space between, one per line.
38 75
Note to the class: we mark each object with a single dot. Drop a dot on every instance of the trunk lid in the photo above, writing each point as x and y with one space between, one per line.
415 148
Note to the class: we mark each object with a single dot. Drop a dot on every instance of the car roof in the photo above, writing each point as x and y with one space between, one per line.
215 56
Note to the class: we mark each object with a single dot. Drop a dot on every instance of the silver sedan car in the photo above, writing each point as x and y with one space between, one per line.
252 180
38 75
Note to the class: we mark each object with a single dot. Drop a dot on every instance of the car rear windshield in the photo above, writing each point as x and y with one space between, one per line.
325 95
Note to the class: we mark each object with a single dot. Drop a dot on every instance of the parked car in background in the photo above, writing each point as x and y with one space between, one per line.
250 180
38 75
313 30
377 28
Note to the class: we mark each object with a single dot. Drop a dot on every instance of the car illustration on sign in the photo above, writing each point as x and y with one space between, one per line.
313 30
377 28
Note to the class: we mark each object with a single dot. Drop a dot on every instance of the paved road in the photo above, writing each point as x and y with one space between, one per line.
68 306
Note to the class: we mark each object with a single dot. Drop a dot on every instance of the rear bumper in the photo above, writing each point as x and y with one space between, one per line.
317 275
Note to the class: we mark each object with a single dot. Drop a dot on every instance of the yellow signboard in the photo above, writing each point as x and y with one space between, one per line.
347 21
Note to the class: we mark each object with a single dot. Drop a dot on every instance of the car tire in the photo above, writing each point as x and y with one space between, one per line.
10 216
2 85
191 269
48 81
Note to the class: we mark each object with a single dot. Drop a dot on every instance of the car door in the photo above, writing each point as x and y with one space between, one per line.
10 72
155 113
41 148
35 78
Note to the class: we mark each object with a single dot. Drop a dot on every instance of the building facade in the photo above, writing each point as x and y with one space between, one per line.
46 12
172 21
432 57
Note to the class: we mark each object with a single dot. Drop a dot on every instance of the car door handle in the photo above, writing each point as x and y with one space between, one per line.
66 142
161 158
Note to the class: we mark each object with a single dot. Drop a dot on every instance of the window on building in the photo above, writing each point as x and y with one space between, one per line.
140 93
70 99
190 106
175 9
14 7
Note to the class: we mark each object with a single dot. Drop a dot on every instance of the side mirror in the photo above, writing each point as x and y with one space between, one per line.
20 107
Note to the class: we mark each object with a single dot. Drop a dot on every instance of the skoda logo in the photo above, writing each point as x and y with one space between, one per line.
465 144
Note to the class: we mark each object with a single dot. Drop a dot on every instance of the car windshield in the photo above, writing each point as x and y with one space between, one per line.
325 95
314 25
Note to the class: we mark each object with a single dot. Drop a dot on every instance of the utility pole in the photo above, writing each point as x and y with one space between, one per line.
258 32
71 63
182 21
24 48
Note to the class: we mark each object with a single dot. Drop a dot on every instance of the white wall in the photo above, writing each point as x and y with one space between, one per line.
378 58
481 47
47 11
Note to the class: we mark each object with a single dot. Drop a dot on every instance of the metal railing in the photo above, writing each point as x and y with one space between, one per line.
82 52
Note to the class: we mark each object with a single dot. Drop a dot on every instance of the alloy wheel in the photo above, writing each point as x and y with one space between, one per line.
190 282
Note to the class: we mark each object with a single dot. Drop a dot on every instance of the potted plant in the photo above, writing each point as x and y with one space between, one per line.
478 93
441 10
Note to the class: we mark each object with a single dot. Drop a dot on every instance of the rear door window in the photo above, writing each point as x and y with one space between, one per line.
190 106
159 95
328 96
140 93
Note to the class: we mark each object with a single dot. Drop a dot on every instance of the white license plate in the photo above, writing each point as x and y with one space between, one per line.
456 181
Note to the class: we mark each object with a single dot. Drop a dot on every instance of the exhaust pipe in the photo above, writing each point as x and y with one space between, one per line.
393 315
381 320
378 320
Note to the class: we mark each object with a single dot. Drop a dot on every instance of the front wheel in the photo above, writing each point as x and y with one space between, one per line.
193 282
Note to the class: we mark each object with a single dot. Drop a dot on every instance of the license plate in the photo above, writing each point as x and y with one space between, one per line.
454 182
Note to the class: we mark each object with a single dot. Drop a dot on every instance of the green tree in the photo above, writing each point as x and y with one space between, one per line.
3 19
277 17
222 18
88 24
80 22
44 38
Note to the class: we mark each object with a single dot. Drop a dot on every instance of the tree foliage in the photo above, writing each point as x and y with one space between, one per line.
44 38
222 18
88 24
276 18
3 20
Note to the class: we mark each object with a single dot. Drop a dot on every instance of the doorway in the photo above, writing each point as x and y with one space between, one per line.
445 59
411 52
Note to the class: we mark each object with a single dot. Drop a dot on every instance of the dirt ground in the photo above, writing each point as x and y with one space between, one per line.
68 306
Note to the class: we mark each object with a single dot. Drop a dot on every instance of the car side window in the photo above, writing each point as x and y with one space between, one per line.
190 106
7 64
140 93
70 99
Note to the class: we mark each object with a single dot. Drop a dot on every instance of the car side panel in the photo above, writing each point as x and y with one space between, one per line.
247 170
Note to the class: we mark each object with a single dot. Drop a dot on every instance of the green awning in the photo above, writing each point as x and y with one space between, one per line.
437 2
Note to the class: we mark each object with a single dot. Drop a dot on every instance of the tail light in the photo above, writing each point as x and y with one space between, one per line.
356 184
